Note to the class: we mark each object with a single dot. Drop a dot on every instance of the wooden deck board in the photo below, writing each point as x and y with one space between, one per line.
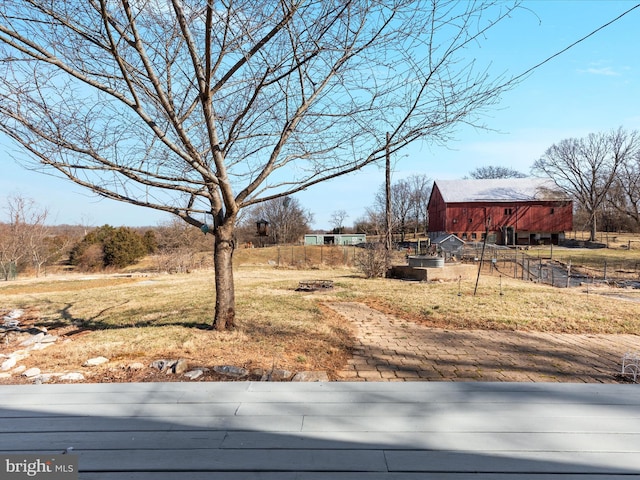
277 423
197 439
343 476
337 431
450 441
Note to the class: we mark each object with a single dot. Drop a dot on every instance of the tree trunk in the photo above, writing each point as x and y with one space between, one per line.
594 229
224 317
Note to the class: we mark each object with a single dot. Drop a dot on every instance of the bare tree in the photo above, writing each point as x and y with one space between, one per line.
25 237
587 167
371 222
288 221
624 196
12 250
420 190
491 171
205 108
180 247
401 204
45 247
409 197
338 218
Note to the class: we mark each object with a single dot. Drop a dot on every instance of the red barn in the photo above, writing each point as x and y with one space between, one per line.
514 211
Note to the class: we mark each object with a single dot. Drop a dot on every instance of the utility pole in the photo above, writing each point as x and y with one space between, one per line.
387 236
484 246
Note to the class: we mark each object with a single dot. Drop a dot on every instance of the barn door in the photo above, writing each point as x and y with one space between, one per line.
510 234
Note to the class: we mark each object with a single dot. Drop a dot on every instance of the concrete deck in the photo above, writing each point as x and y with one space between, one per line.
337 431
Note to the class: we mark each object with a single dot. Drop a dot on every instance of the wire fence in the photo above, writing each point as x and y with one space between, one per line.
305 256
312 256
557 270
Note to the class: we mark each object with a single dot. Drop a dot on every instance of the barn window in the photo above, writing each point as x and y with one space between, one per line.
471 220
553 210
464 236
474 236
508 211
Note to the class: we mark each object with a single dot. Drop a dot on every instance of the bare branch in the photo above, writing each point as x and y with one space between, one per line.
587 167
191 107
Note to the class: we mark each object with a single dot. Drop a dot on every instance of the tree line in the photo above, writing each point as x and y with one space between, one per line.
600 172
30 244
25 240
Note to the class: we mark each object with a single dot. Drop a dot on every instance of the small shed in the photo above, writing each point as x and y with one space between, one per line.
448 244
334 239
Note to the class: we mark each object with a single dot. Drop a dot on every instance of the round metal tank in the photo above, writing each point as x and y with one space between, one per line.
426 261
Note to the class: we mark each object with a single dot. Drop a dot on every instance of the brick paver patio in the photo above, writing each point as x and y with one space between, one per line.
393 349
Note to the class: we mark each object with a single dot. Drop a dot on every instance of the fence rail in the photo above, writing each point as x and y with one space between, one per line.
558 270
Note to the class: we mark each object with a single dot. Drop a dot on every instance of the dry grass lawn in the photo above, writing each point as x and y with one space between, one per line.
143 318
167 316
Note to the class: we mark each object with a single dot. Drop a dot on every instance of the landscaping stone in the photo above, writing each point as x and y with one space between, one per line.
179 366
310 377
135 366
8 364
277 375
163 365
5 375
49 339
231 371
10 323
12 360
13 315
170 366
32 372
92 362
43 378
33 339
72 377
18 370
193 374
20 354
160 364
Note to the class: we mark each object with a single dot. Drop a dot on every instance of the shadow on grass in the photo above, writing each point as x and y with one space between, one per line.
94 323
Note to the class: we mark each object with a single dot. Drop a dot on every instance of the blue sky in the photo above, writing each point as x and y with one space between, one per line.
593 87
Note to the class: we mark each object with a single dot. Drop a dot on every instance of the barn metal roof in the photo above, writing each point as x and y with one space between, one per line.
500 190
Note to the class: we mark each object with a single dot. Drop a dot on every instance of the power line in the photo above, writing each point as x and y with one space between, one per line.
528 71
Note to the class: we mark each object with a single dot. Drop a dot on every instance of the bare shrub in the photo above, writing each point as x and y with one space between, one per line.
372 261
182 260
91 259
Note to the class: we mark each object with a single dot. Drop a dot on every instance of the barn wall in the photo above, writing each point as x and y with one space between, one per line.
530 222
437 211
